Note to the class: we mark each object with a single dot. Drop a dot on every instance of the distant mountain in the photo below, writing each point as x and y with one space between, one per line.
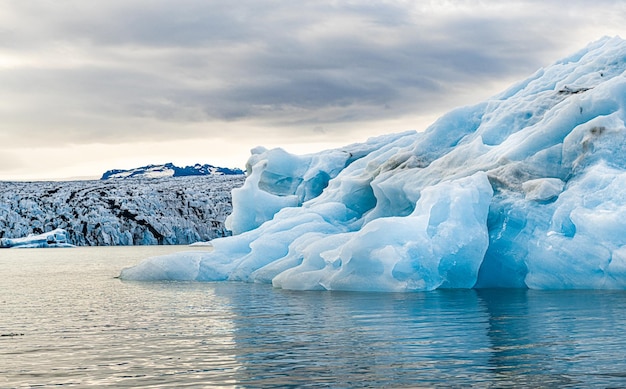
171 170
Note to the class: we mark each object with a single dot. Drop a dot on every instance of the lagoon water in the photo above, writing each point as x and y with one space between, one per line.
65 320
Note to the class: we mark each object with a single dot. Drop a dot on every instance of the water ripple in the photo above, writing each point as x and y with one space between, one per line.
66 321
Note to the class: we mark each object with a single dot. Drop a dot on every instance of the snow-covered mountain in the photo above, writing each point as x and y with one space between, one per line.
170 170
120 212
527 189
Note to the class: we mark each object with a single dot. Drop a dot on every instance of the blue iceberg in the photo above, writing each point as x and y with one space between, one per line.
525 190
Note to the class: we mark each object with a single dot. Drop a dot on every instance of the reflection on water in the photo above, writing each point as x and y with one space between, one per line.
557 338
68 321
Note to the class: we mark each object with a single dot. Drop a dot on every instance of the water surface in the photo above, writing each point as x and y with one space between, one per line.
66 321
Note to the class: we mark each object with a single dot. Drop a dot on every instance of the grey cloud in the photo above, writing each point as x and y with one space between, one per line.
289 64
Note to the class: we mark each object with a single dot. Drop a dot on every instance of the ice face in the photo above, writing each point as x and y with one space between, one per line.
527 189
137 211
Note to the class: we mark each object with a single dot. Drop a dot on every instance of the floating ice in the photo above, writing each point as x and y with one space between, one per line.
54 238
527 189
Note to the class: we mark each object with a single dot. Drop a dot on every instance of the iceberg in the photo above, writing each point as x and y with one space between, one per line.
55 238
524 190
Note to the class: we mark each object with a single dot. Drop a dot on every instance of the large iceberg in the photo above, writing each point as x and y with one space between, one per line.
527 189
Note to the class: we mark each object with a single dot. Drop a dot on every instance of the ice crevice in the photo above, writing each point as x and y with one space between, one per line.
524 190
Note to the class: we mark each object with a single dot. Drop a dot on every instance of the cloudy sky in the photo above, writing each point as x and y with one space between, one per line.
87 86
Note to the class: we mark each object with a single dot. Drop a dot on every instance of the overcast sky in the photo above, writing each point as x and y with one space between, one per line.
87 86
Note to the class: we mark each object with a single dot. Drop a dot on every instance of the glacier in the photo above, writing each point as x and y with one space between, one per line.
121 212
524 190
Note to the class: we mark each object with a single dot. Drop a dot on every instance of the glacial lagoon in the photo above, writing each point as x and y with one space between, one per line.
65 320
